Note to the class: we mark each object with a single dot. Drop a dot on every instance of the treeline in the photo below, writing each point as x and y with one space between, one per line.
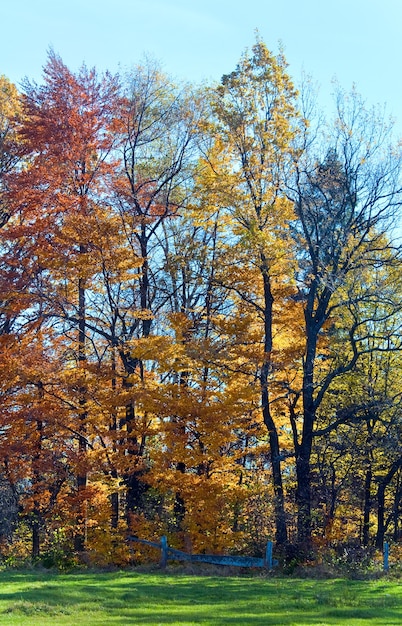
200 314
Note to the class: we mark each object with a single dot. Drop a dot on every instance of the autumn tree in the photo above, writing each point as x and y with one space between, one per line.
255 107
358 420
346 190
159 126
66 130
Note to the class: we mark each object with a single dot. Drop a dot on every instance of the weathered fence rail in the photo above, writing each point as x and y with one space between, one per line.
168 553
236 561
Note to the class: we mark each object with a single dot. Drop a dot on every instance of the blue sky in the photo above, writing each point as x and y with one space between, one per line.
356 41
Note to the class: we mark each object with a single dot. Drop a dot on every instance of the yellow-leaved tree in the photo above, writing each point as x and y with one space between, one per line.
257 121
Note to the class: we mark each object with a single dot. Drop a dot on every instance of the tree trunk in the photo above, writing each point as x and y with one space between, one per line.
380 515
303 450
397 516
179 506
303 493
367 507
383 484
396 510
281 534
80 535
37 478
114 497
115 506
135 487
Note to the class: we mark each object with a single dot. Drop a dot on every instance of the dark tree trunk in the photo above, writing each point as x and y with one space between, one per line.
179 507
36 513
367 507
303 449
115 506
281 534
144 281
380 515
396 511
114 497
303 495
135 487
80 535
315 316
382 486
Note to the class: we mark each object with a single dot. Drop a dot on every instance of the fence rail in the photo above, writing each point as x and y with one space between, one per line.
168 553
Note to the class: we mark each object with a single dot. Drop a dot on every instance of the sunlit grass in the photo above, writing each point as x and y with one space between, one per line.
121 598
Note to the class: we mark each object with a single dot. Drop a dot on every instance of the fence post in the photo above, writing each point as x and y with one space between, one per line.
386 556
164 552
268 555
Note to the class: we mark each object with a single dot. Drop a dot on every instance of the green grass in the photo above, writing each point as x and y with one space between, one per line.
122 598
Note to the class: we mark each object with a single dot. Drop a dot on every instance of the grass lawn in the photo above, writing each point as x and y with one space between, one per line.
121 598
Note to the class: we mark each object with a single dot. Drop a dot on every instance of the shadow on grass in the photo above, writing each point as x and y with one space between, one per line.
123 598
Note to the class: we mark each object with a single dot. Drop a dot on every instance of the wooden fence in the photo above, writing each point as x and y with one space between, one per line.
168 553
